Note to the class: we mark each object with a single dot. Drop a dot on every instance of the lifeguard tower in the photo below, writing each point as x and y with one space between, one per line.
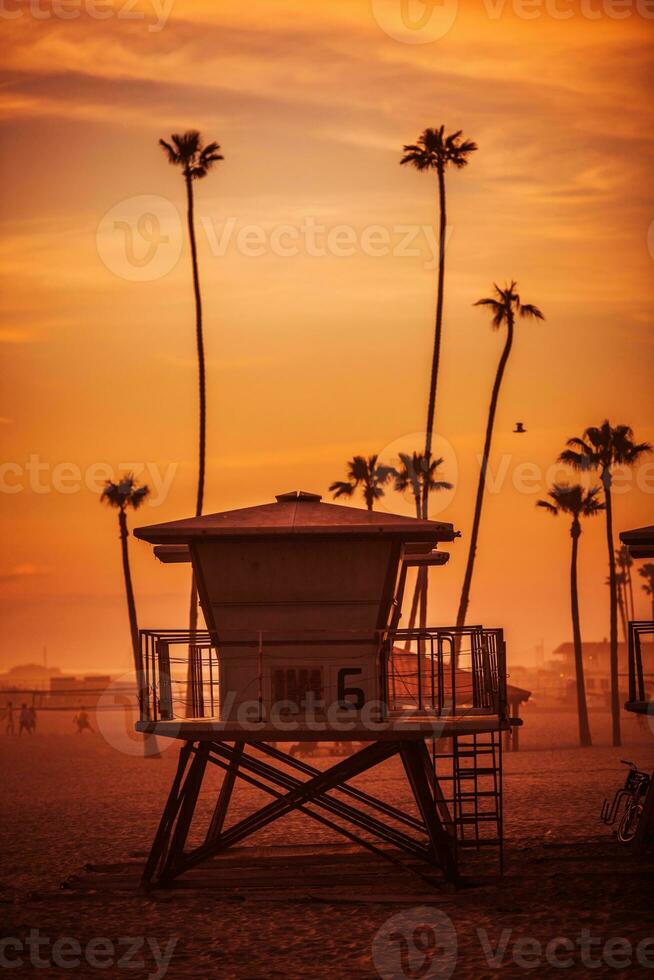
640 543
302 602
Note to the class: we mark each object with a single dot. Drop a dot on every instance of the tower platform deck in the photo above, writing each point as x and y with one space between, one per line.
397 729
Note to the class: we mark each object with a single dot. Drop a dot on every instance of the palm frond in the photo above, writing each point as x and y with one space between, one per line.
341 488
528 309
171 152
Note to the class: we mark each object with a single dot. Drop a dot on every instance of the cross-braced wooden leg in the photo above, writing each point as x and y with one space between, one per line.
225 795
416 760
190 792
364 759
159 848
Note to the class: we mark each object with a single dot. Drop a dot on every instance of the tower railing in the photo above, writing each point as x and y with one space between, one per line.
641 657
437 671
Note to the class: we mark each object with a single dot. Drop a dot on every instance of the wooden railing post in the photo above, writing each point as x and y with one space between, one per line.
165 686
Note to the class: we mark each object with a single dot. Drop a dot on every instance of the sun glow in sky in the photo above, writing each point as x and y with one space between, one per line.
317 265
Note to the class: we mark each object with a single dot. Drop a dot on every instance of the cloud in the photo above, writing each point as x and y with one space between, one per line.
25 570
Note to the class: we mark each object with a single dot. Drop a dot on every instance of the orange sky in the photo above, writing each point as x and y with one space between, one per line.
314 357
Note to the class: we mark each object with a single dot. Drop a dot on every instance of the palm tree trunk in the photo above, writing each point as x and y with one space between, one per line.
481 486
150 746
622 600
199 339
418 587
582 707
615 680
423 576
202 389
129 589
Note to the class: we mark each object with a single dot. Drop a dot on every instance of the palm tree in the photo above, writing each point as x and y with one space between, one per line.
195 160
436 151
646 571
601 448
412 475
575 502
368 474
505 306
127 493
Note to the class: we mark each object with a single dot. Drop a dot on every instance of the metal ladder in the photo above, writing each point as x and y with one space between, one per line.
470 774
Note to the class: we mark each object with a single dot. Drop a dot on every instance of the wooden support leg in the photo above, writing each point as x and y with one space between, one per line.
435 787
189 799
413 756
225 795
515 730
159 848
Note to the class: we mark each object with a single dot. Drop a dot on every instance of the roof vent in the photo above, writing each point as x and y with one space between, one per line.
298 496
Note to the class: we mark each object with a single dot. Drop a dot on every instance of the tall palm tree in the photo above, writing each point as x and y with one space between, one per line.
121 496
505 305
368 474
414 472
576 503
195 161
434 150
601 448
646 571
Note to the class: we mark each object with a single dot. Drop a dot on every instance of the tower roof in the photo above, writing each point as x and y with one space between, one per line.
297 512
640 541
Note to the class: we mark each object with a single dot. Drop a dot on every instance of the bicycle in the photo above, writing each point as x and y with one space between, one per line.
633 795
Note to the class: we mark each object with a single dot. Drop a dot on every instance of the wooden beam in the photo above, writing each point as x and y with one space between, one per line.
413 757
225 795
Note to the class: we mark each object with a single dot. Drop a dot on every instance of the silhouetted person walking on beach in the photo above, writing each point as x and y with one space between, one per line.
82 721
9 716
24 720
32 714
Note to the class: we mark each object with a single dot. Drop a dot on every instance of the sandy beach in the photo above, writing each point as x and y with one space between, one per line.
71 801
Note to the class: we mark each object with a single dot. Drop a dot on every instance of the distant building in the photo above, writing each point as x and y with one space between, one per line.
72 692
19 682
555 678
31 677
597 670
